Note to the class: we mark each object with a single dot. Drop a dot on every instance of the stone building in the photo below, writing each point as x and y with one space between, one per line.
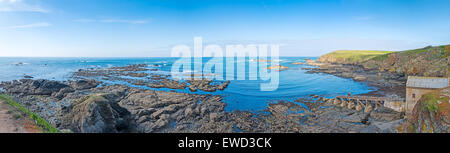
418 86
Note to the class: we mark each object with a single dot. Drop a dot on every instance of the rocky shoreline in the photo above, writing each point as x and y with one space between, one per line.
138 75
390 85
89 105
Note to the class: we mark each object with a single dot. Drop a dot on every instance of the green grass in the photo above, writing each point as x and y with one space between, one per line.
353 56
361 52
39 120
415 51
381 57
431 101
17 115
358 56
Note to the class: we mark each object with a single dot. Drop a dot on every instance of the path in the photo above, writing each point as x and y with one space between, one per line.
8 124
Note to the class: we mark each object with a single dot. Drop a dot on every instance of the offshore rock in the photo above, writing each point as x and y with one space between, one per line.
206 85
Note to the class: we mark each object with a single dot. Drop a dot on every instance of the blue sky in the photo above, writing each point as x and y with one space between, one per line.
136 28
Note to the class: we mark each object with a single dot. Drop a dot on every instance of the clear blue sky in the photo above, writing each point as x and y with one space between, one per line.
150 28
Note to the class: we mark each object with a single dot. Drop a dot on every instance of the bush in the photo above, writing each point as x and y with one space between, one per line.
17 116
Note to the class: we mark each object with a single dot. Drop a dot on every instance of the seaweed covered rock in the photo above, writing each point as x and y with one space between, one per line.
431 114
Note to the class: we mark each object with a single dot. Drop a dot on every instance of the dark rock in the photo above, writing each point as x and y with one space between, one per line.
27 77
206 85
137 74
33 87
84 84
386 116
63 92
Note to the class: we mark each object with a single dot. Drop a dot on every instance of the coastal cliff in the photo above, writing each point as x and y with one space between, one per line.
430 115
388 71
428 61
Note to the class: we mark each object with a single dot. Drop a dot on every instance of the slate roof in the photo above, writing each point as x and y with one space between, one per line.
427 82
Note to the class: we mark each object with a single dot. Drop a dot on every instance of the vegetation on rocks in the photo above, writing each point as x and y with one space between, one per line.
39 120
93 114
431 114
428 61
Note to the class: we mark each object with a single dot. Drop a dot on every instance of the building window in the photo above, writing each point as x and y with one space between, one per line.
413 95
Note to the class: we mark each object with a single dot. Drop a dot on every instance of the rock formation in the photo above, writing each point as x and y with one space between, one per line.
431 114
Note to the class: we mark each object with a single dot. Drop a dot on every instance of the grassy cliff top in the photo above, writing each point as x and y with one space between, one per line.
351 56
360 52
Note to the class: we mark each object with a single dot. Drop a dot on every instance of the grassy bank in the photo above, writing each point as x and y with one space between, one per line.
35 117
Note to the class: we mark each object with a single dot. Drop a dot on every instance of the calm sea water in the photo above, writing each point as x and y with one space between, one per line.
240 94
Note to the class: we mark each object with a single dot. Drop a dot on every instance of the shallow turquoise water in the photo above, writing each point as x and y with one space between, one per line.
240 94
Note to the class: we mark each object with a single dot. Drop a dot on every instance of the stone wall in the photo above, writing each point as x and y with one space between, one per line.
398 106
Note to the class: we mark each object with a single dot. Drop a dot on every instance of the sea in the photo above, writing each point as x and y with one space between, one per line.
243 95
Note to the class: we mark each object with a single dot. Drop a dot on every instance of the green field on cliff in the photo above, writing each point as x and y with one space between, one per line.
351 56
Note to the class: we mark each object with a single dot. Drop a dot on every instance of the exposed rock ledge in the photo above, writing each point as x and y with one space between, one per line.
118 108
388 84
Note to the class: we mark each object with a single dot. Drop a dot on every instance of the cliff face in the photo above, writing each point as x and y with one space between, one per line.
428 61
431 114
